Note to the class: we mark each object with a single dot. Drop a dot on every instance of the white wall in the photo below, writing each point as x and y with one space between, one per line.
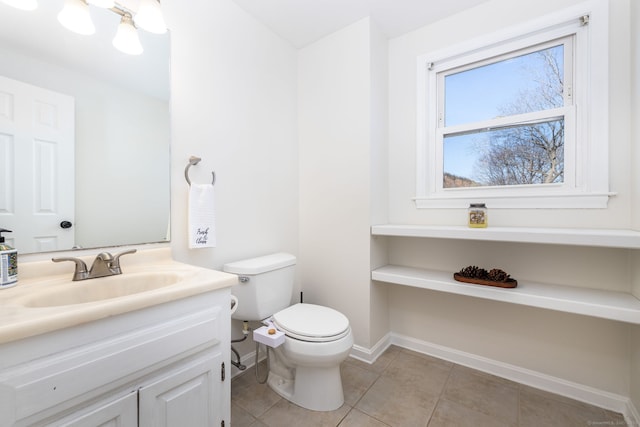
233 85
635 159
583 350
379 177
342 105
334 95
122 153
233 105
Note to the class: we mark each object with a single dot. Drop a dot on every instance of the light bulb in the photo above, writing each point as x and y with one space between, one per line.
75 17
126 39
22 4
149 17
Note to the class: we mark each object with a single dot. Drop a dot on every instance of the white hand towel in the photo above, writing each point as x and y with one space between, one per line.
202 224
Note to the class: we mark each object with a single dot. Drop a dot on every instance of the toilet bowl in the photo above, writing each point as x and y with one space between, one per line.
306 368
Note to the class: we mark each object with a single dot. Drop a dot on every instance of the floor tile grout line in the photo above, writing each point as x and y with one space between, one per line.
378 376
440 395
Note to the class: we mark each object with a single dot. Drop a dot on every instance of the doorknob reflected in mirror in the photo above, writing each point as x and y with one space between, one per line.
66 224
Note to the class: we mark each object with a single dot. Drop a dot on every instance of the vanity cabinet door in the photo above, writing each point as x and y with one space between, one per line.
185 397
122 412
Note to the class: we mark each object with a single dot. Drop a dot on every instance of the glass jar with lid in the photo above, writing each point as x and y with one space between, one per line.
477 215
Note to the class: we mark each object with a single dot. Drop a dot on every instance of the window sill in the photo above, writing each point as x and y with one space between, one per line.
607 238
532 201
610 305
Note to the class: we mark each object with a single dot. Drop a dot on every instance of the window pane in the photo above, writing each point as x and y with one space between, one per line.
523 84
525 154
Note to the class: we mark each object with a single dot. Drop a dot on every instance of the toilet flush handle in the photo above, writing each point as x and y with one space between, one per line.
243 279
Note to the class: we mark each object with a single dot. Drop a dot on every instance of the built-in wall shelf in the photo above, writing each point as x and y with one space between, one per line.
611 305
609 238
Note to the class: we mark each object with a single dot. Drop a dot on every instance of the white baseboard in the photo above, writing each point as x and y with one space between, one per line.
593 396
371 355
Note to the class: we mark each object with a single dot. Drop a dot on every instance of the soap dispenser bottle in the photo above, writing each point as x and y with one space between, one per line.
8 263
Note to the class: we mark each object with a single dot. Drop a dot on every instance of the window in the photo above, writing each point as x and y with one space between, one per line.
508 120
510 129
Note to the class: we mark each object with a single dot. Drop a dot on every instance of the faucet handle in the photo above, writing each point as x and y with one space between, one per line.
115 262
81 271
105 256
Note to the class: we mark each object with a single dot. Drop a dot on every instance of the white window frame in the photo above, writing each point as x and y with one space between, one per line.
586 177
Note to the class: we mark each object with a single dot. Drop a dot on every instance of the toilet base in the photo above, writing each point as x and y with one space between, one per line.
318 389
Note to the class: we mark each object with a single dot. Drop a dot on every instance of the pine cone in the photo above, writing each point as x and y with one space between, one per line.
497 275
468 271
473 272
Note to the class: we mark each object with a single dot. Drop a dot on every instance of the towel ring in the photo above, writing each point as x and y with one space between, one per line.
192 162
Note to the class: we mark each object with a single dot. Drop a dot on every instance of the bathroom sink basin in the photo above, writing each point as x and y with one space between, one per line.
46 298
104 288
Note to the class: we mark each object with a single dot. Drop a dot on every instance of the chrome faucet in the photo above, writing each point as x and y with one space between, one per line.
104 265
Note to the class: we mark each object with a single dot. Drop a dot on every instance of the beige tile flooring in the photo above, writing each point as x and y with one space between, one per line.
405 388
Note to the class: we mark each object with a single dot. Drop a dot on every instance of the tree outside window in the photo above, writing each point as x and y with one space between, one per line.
522 151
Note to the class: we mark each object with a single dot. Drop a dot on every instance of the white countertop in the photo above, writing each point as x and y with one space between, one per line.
18 321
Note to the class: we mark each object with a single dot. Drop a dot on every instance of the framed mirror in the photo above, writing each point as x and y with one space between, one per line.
117 171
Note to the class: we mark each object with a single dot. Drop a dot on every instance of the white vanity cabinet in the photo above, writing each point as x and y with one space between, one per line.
183 398
165 365
123 411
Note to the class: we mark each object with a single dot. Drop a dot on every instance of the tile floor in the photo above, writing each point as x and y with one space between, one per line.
405 388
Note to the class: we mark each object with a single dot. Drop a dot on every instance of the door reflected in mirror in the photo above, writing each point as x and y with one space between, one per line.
118 171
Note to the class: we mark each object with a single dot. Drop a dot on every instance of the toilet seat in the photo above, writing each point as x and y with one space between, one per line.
310 322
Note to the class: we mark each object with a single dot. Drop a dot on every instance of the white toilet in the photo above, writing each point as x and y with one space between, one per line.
306 368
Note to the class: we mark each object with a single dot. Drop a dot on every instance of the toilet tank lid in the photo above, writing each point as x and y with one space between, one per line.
260 264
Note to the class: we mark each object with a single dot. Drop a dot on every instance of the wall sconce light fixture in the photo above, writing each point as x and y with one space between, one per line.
126 39
75 16
22 4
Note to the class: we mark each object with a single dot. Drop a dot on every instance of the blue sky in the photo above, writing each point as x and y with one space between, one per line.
476 95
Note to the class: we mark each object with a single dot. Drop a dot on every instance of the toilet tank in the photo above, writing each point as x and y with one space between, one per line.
265 285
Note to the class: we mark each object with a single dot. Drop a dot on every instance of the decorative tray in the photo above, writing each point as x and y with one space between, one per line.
508 283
